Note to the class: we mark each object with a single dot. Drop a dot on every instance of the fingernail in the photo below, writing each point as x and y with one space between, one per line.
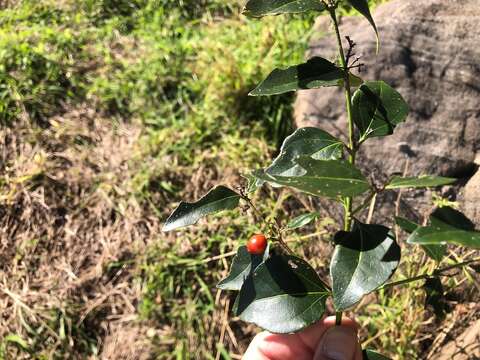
338 343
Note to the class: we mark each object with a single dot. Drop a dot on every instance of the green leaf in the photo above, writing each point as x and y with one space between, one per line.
253 184
308 141
377 109
447 225
373 355
243 264
442 233
362 7
363 260
315 73
436 252
218 199
283 295
450 216
398 182
330 178
302 220
259 8
435 296
406 225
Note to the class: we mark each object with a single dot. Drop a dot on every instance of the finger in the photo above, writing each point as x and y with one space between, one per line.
311 335
267 346
338 343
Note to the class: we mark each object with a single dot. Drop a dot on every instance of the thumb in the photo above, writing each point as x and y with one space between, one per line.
338 343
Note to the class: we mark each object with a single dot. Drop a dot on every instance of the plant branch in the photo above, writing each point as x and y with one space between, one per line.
437 272
348 216
274 226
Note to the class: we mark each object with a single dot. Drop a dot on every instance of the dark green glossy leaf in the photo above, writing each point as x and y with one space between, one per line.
259 8
330 178
362 7
315 73
363 260
435 296
218 199
436 252
243 264
440 232
307 141
373 355
398 182
302 220
406 225
283 295
450 216
377 109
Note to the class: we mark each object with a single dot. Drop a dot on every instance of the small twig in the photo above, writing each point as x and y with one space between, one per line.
274 227
366 202
351 46
372 208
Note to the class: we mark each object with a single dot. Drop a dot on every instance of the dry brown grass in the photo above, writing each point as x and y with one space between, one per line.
65 217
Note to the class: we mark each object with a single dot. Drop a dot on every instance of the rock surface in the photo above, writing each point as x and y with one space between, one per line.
430 53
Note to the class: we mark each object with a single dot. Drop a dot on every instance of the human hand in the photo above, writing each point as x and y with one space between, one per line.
321 341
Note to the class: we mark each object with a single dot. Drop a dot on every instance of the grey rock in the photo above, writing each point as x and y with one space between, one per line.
430 51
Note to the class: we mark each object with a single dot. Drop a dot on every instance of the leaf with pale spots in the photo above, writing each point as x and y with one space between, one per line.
447 225
307 141
329 178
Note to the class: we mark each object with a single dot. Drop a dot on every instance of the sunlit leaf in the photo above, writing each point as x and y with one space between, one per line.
447 225
259 8
436 252
363 260
302 220
307 141
377 109
398 182
329 178
218 199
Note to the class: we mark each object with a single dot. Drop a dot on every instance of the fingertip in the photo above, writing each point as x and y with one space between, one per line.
311 335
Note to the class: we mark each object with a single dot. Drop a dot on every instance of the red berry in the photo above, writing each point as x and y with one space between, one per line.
257 244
